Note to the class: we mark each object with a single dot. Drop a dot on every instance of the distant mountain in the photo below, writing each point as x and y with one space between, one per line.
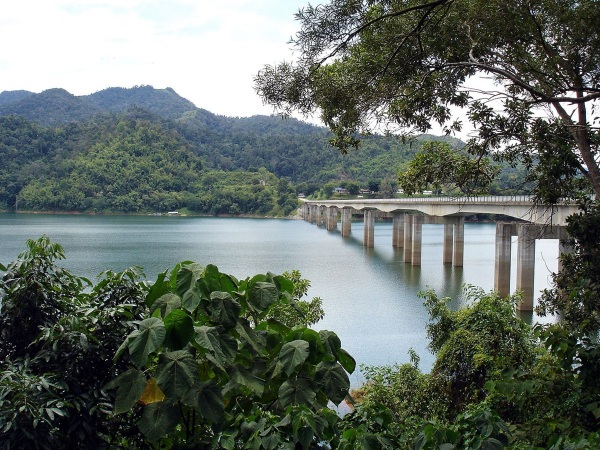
49 108
288 148
164 102
7 97
57 106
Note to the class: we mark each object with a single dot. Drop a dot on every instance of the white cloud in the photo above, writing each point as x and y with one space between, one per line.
208 51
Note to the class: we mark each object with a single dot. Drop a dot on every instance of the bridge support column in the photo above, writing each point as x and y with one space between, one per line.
313 214
526 234
346 221
369 231
504 233
417 237
331 218
459 242
448 238
322 216
408 241
398 230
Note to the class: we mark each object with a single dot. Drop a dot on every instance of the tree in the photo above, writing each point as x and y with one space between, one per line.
438 165
388 187
212 369
59 336
407 63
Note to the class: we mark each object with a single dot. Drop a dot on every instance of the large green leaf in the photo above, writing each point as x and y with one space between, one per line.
346 360
158 419
217 281
284 284
334 381
206 398
271 441
177 373
192 298
187 275
166 303
212 277
224 309
130 386
255 340
331 343
147 338
210 340
239 376
293 354
180 329
297 392
158 289
262 295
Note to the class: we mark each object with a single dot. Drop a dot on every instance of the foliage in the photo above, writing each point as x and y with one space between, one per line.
438 167
452 404
236 192
139 167
59 335
575 295
298 312
406 64
222 373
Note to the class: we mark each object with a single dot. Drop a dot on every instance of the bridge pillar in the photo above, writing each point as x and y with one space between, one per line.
526 234
331 219
313 214
448 238
408 241
459 242
417 237
346 221
504 233
369 231
321 216
398 230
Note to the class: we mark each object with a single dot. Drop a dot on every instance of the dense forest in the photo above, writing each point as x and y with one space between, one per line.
150 150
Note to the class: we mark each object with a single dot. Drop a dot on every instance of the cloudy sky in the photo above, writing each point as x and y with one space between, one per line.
207 50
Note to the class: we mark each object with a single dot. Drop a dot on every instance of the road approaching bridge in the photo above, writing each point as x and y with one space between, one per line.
532 221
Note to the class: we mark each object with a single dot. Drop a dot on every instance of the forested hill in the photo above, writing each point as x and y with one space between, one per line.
146 149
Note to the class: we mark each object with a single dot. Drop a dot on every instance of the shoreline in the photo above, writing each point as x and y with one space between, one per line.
139 214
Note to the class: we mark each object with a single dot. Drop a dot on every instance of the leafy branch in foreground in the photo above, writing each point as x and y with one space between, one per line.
59 335
211 368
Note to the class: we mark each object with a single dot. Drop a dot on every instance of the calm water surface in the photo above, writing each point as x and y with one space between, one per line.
369 295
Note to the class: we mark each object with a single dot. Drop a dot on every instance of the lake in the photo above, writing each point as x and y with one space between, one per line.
369 295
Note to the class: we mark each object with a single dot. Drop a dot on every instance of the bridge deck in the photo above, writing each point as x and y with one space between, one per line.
520 207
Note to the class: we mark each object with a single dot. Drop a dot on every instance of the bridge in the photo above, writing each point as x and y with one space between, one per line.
532 221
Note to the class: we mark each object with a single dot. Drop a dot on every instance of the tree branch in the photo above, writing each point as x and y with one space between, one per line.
344 43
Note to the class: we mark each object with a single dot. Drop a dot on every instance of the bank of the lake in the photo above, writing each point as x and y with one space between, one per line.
369 295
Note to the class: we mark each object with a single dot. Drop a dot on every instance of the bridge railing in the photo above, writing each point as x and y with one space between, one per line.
505 199
445 199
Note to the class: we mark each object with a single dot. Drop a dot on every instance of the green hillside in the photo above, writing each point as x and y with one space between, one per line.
150 150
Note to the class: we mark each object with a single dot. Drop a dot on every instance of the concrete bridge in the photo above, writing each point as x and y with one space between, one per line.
409 214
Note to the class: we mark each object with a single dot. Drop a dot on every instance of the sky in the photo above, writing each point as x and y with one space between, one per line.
208 51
